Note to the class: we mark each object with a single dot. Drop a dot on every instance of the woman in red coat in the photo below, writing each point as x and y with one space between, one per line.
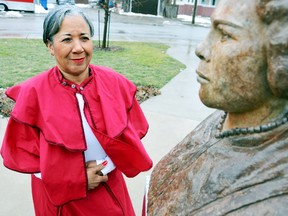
76 127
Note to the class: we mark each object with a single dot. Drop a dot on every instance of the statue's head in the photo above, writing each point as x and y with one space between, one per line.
244 59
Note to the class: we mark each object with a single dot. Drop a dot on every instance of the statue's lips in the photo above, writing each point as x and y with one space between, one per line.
201 78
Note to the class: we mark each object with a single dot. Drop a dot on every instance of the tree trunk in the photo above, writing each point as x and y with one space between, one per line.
106 18
105 7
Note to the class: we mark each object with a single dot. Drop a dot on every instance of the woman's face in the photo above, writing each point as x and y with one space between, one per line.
72 47
232 71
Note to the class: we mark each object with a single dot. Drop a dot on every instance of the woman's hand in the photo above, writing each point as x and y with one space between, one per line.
94 175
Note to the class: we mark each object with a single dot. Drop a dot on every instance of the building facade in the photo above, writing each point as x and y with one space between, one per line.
204 7
160 7
200 2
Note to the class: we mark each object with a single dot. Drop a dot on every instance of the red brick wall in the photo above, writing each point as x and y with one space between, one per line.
185 10
205 11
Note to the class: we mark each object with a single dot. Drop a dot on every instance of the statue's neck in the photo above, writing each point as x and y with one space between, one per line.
271 111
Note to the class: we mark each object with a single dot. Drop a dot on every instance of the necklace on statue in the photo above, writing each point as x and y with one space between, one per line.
248 130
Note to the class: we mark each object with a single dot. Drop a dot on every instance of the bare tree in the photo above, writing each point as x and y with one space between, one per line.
105 5
106 21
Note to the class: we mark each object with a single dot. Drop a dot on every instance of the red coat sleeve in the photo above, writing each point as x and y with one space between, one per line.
137 120
137 128
126 150
20 147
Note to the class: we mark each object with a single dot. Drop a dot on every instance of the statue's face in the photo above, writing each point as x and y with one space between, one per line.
233 67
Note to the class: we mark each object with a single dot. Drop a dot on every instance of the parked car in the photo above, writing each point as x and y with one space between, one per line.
17 5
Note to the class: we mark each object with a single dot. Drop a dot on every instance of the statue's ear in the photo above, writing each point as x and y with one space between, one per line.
278 76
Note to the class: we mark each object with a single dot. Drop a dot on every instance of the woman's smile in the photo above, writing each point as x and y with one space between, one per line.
78 60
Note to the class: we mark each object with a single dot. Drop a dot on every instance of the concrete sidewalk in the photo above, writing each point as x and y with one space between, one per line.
171 116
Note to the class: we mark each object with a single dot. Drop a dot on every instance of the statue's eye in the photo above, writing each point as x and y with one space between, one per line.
225 32
224 37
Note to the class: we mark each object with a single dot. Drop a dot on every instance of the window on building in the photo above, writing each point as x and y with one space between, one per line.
208 2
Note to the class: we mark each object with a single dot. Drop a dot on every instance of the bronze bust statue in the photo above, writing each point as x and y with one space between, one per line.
236 161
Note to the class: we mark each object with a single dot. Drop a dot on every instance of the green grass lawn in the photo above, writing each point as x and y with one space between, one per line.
145 64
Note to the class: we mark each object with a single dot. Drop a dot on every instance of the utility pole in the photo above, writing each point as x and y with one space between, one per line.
194 12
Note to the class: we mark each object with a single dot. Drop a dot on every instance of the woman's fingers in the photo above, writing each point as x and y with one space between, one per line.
94 174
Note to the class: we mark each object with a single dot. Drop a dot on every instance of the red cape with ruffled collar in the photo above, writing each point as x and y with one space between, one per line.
50 138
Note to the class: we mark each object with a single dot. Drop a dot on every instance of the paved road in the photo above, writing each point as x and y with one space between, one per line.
122 27
171 115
